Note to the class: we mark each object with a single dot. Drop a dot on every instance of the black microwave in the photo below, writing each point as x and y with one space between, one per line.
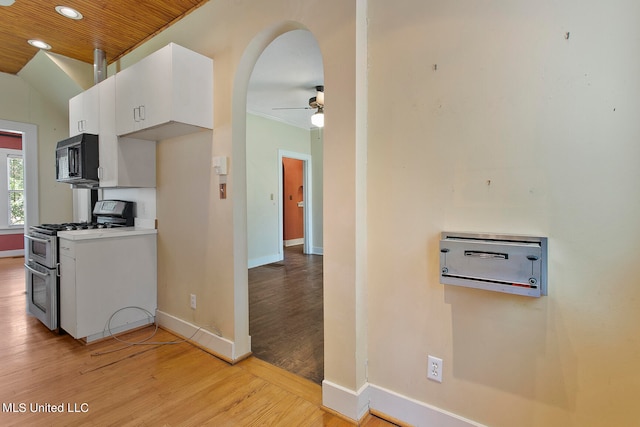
77 160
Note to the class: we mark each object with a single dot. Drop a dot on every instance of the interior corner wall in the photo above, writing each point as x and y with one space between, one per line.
22 103
517 117
264 138
317 156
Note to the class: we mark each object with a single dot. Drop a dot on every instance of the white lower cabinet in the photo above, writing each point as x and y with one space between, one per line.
108 284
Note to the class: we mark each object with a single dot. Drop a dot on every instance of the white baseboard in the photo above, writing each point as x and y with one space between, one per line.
370 397
257 262
13 253
294 242
118 329
354 405
413 412
208 340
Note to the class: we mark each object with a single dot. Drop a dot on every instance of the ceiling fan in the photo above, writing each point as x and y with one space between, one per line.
315 102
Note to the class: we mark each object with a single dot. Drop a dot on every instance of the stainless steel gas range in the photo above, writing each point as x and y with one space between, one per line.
42 264
42 272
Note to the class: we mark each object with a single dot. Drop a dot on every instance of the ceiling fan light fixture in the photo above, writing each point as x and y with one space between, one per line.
69 12
39 44
318 118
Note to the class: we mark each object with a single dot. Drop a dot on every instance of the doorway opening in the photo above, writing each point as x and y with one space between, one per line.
285 268
293 230
295 216
19 156
286 313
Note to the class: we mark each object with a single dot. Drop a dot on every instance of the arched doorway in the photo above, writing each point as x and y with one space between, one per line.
290 132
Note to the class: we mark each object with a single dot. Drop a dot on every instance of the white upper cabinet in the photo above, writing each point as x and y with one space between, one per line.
169 93
84 112
124 162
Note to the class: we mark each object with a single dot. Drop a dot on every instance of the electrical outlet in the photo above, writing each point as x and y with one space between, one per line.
193 301
434 368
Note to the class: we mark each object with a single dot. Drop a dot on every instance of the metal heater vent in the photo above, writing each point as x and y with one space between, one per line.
497 262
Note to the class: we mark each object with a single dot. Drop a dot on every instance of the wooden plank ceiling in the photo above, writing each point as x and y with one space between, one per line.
115 26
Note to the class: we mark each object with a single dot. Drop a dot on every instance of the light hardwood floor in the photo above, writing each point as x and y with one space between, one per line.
110 384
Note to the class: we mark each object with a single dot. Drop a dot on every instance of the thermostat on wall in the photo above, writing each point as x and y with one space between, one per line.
219 165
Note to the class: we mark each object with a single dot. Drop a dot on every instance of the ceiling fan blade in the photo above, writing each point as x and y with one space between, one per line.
315 102
292 108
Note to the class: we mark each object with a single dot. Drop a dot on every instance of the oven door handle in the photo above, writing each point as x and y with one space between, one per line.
36 272
36 239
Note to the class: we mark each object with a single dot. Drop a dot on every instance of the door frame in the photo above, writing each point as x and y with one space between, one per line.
30 157
306 194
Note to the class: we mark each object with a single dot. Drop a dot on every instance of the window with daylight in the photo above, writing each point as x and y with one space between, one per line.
12 194
15 189
18 179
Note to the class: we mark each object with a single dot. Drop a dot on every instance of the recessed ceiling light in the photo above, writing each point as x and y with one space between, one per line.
40 44
69 12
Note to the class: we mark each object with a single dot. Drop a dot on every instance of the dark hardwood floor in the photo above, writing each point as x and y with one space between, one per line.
285 314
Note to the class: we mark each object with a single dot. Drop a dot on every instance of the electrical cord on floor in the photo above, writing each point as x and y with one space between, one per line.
145 341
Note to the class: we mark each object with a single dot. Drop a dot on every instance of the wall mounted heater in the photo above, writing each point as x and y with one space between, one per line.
496 262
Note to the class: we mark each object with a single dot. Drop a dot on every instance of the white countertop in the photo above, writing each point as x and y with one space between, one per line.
101 233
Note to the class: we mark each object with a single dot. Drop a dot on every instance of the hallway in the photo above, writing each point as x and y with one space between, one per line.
286 316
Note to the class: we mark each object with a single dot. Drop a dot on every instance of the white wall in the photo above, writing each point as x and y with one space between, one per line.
542 100
21 103
145 203
264 138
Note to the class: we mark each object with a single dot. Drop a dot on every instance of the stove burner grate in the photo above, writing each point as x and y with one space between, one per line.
68 226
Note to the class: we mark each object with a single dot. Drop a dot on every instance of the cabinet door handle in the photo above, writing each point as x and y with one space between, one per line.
138 113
